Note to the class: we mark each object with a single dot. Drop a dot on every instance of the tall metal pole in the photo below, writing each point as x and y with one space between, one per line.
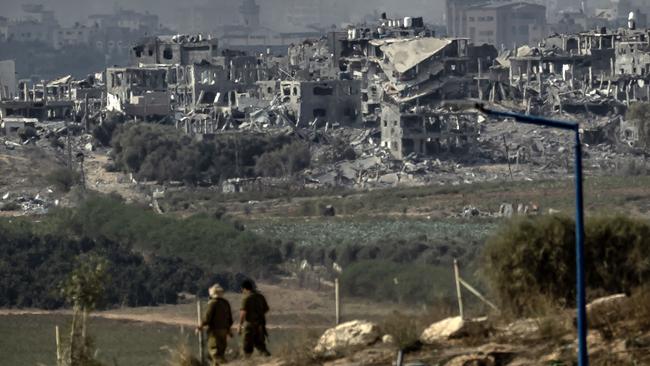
583 357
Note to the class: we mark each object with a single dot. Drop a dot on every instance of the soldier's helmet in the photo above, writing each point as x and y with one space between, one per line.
215 290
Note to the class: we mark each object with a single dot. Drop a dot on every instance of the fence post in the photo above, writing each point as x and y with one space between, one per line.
458 293
400 358
59 356
198 317
337 299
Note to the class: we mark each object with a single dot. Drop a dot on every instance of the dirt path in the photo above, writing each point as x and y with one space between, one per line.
139 318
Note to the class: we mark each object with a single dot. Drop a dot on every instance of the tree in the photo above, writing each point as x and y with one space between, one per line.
84 289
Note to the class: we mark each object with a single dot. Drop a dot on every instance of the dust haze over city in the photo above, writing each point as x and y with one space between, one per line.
273 11
324 182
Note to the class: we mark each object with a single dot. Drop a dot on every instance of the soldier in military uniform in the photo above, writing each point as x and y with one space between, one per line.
252 320
218 320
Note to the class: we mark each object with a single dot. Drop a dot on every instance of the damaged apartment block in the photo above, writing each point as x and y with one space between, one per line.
427 133
327 101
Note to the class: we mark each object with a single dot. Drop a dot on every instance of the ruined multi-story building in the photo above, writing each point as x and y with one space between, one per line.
333 101
138 91
427 133
175 50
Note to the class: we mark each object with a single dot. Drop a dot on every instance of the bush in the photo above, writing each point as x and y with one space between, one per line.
535 257
63 179
285 161
104 132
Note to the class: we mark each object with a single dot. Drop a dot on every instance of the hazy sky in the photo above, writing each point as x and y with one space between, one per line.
70 11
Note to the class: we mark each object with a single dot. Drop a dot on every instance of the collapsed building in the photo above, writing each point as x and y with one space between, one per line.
382 86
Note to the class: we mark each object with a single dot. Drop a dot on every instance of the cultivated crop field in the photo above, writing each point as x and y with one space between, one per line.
334 232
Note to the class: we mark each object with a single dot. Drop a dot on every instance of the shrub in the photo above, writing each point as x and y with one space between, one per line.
285 161
535 257
63 179
104 133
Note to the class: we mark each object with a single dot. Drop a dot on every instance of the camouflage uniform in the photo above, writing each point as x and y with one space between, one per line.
218 319
255 334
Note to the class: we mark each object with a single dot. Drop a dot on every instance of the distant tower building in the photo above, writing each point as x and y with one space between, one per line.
250 11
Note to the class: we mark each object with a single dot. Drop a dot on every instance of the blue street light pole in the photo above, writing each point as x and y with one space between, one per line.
583 358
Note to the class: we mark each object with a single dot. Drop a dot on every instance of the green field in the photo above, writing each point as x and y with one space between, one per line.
339 231
29 340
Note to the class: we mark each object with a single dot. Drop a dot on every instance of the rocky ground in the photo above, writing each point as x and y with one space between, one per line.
619 335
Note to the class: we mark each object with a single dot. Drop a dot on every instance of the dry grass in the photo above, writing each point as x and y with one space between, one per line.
181 355
298 349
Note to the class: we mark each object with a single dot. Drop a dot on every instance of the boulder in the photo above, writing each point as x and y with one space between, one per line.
606 304
347 336
450 328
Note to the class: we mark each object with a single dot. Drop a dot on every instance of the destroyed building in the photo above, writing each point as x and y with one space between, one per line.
138 91
333 101
427 133
175 50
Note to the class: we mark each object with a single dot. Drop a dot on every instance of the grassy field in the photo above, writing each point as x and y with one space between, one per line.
28 340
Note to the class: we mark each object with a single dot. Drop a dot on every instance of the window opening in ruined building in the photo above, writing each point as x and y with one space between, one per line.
151 52
364 97
286 90
320 112
208 98
295 91
168 54
269 90
323 90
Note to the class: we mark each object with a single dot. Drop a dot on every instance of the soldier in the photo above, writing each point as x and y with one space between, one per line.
218 320
252 319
